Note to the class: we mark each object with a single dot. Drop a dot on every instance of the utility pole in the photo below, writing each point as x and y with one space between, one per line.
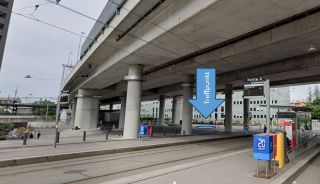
64 66
78 56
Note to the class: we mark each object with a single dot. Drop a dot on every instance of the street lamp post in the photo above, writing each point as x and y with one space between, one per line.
64 66
78 56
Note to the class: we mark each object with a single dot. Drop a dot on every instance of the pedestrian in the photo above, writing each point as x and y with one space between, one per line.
264 129
288 148
38 135
246 128
31 135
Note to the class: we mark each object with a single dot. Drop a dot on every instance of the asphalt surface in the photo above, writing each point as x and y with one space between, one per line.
311 175
104 168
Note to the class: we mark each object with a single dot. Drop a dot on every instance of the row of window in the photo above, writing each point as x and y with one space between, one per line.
257 102
256 116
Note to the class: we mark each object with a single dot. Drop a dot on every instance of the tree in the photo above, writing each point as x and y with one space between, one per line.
316 95
309 97
6 126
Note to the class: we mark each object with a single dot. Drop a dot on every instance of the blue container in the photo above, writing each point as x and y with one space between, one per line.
262 147
143 129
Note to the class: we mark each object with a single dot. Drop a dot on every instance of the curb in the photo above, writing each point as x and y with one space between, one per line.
71 155
289 176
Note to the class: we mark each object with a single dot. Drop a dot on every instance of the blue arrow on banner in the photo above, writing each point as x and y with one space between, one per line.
206 102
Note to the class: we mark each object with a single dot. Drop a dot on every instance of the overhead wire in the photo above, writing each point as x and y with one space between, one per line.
113 27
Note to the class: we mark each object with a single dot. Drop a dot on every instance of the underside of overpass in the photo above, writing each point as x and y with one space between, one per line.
165 41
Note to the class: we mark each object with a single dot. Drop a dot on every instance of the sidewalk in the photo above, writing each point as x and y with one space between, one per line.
37 154
237 167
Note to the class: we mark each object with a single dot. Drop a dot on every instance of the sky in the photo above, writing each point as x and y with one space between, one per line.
38 50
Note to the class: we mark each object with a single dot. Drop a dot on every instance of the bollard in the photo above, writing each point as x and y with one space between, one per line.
164 132
84 136
58 137
107 134
25 137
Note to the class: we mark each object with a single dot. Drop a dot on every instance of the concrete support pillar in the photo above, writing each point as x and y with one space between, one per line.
187 109
162 102
133 102
73 112
111 107
177 110
122 112
246 111
228 104
87 110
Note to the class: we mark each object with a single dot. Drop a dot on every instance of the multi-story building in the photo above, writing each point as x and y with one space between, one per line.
280 101
5 14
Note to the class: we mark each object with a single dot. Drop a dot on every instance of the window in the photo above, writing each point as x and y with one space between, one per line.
4 3
261 102
234 116
222 115
254 116
222 108
265 102
254 102
234 102
237 102
258 102
276 101
240 102
250 109
3 14
250 102
272 102
265 116
254 109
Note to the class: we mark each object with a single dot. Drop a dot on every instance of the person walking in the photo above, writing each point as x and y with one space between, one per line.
38 135
246 128
264 129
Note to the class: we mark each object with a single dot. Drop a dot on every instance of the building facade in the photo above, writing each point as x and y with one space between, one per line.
280 101
5 14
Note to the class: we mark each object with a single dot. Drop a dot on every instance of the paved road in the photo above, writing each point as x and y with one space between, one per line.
109 167
311 175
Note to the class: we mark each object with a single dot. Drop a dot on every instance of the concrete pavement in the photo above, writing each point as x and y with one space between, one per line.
37 154
96 169
236 167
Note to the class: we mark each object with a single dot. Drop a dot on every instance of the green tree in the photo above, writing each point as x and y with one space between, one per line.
5 126
316 95
309 97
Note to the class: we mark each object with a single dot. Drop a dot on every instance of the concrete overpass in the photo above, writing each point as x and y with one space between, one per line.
150 50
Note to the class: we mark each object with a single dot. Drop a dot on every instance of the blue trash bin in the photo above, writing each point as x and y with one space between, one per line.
143 130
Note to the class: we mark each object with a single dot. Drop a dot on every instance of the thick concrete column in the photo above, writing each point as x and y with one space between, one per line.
246 111
111 107
73 112
133 102
177 109
186 128
162 101
122 112
87 109
228 104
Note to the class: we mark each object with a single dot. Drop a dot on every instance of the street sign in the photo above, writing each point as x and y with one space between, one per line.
262 147
254 87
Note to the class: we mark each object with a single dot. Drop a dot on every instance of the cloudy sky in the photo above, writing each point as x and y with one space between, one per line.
39 50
